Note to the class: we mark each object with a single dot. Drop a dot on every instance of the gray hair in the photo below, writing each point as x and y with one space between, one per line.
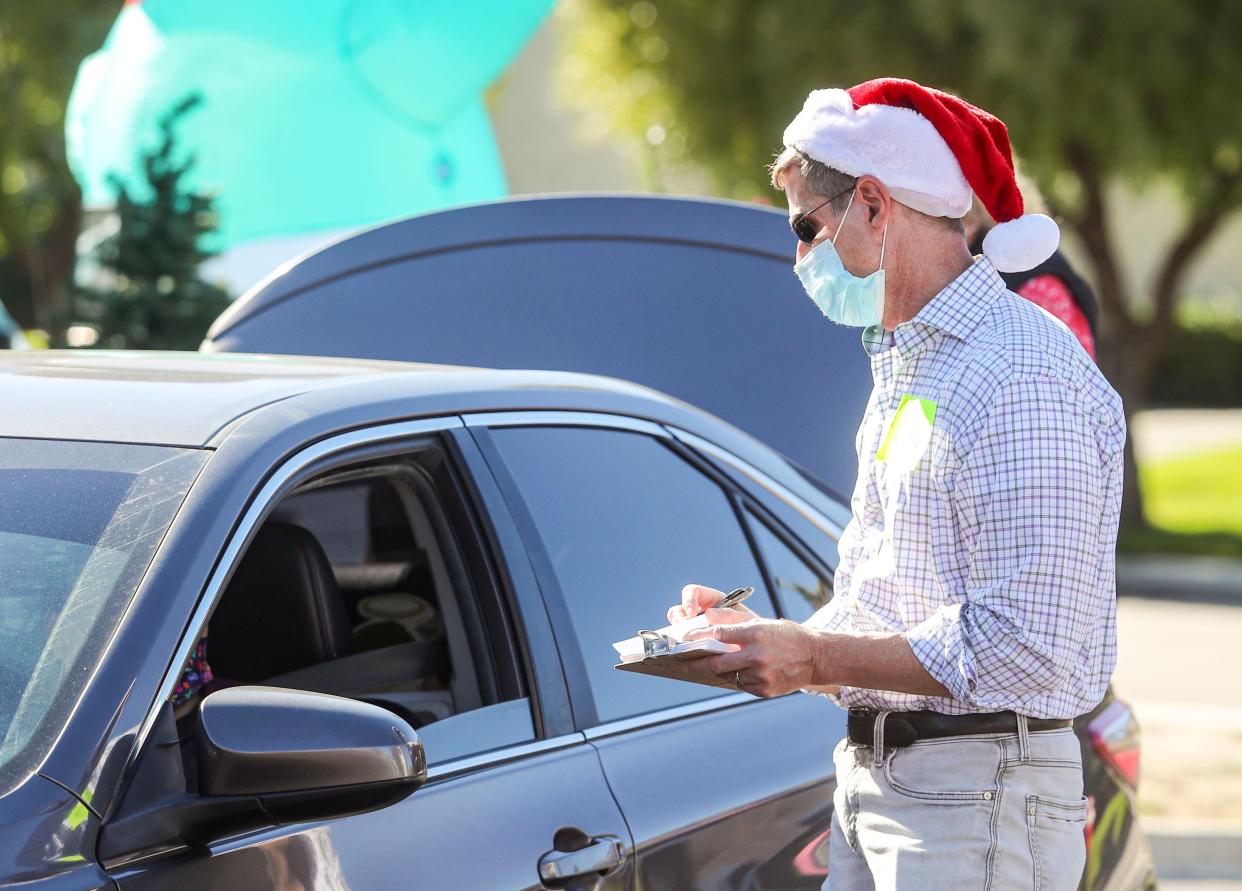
824 180
819 177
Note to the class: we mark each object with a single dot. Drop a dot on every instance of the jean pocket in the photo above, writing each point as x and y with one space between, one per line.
1057 833
956 771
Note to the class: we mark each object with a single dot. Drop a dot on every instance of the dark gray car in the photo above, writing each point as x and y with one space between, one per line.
406 579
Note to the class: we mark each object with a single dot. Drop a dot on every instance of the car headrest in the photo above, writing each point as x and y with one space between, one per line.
282 610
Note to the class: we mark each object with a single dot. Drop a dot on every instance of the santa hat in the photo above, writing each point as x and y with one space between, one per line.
931 150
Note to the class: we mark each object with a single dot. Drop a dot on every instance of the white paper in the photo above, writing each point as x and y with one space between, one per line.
632 648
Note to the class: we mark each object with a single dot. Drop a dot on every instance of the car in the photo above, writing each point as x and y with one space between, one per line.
694 298
407 578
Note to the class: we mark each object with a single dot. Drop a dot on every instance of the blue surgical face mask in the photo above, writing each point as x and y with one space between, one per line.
844 298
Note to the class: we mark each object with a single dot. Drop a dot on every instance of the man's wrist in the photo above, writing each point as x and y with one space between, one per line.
826 653
844 659
872 660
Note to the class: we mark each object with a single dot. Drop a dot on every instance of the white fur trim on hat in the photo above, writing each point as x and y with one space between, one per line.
897 146
1021 244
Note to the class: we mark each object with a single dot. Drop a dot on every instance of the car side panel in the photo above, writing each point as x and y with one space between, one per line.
484 830
736 798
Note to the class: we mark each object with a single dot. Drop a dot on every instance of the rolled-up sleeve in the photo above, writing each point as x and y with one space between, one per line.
1031 501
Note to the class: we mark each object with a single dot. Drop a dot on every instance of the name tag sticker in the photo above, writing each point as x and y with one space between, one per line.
908 434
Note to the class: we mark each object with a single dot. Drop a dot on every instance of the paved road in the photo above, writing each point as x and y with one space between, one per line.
1173 654
1180 667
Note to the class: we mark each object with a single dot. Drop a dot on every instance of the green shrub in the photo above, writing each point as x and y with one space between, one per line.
1201 367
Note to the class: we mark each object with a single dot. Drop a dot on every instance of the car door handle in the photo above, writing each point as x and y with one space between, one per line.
602 855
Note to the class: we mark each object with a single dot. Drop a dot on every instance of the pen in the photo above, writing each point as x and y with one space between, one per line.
733 598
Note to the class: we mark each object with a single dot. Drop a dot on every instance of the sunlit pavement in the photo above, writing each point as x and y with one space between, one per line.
1171 433
1180 667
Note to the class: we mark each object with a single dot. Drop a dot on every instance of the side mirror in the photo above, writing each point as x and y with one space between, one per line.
265 755
307 756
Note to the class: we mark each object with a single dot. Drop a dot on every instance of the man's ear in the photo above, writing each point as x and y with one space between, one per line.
875 198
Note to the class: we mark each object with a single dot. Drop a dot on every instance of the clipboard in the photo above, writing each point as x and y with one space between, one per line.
665 655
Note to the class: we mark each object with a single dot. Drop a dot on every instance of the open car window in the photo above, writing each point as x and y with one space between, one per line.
357 585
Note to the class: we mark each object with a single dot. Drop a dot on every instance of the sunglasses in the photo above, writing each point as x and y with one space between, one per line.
804 228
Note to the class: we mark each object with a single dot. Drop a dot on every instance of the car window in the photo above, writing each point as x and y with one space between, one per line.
365 579
799 589
626 524
79 523
338 517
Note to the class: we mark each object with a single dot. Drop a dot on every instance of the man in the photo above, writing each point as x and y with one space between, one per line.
973 612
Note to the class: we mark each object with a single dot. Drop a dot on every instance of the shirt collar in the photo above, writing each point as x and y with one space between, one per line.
877 339
960 307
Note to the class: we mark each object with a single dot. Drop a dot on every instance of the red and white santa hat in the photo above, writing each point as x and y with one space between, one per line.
931 150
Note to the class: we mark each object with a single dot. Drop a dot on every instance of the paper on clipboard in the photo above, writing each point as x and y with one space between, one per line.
665 652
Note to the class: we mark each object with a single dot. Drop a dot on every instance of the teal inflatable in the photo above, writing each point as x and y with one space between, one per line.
315 115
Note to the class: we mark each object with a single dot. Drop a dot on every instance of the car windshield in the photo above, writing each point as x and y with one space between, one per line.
79 524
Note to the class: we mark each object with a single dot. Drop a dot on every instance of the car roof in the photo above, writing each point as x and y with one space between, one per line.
193 399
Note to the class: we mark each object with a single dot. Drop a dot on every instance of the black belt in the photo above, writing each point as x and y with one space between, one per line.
906 728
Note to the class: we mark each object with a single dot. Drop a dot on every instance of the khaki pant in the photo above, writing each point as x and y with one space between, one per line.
992 812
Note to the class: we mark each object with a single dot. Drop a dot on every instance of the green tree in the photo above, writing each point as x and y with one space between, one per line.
156 299
41 45
1095 93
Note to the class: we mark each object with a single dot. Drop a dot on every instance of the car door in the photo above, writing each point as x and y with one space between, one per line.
721 790
500 809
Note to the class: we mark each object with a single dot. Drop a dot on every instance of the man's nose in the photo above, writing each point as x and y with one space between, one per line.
803 249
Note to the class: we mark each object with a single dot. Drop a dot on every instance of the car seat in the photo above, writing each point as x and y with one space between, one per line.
282 610
282 622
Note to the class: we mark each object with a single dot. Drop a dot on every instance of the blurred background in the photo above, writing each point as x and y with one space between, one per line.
160 157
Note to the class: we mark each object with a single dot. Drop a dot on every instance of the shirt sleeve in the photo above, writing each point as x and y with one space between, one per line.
832 616
1030 500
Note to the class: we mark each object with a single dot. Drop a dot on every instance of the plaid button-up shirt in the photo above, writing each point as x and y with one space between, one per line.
995 553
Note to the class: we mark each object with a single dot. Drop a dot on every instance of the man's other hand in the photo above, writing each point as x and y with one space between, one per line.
697 599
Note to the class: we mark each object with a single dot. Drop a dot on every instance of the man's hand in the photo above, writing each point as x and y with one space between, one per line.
698 599
777 656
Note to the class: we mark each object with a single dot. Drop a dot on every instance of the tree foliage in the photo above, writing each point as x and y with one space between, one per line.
1142 87
41 45
1094 92
154 297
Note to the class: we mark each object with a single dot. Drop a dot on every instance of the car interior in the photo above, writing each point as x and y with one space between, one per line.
345 590
356 586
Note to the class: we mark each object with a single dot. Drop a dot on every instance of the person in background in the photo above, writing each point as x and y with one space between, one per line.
1052 285
195 677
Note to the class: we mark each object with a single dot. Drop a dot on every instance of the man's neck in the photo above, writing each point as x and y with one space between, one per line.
920 276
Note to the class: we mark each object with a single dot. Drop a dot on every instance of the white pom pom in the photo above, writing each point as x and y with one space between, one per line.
1022 244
